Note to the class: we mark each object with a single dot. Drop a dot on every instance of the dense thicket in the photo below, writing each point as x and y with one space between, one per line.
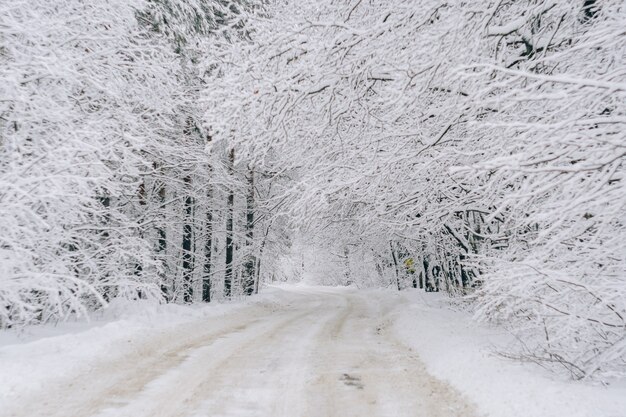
106 187
471 147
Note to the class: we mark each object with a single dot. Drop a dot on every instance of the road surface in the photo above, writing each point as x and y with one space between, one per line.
322 353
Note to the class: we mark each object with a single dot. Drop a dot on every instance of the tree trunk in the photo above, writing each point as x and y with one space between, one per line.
435 278
257 278
466 276
395 263
346 258
249 276
161 250
257 275
208 252
228 276
108 292
427 279
188 253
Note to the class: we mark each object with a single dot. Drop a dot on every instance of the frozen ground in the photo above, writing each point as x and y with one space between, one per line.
293 351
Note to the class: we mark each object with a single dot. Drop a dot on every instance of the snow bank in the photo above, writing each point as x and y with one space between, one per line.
461 352
38 355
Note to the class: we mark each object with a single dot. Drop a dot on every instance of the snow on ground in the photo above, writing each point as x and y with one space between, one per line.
461 352
305 351
30 358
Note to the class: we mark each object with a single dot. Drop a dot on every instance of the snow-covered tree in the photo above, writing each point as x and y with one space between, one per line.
102 163
481 143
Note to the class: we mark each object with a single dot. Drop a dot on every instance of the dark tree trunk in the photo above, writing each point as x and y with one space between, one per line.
162 245
466 278
427 278
346 258
257 277
208 253
188 253
107 290
395 264
436 278
143 201
249 275
228 276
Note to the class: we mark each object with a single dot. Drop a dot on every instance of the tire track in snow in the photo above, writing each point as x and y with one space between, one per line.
113 381
363 371
216 380
327 354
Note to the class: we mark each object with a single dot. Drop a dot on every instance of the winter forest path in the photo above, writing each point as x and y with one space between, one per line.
322 353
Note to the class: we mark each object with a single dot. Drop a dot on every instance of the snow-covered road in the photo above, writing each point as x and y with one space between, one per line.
319 352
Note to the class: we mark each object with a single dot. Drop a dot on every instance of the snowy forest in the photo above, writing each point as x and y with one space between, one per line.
191 151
